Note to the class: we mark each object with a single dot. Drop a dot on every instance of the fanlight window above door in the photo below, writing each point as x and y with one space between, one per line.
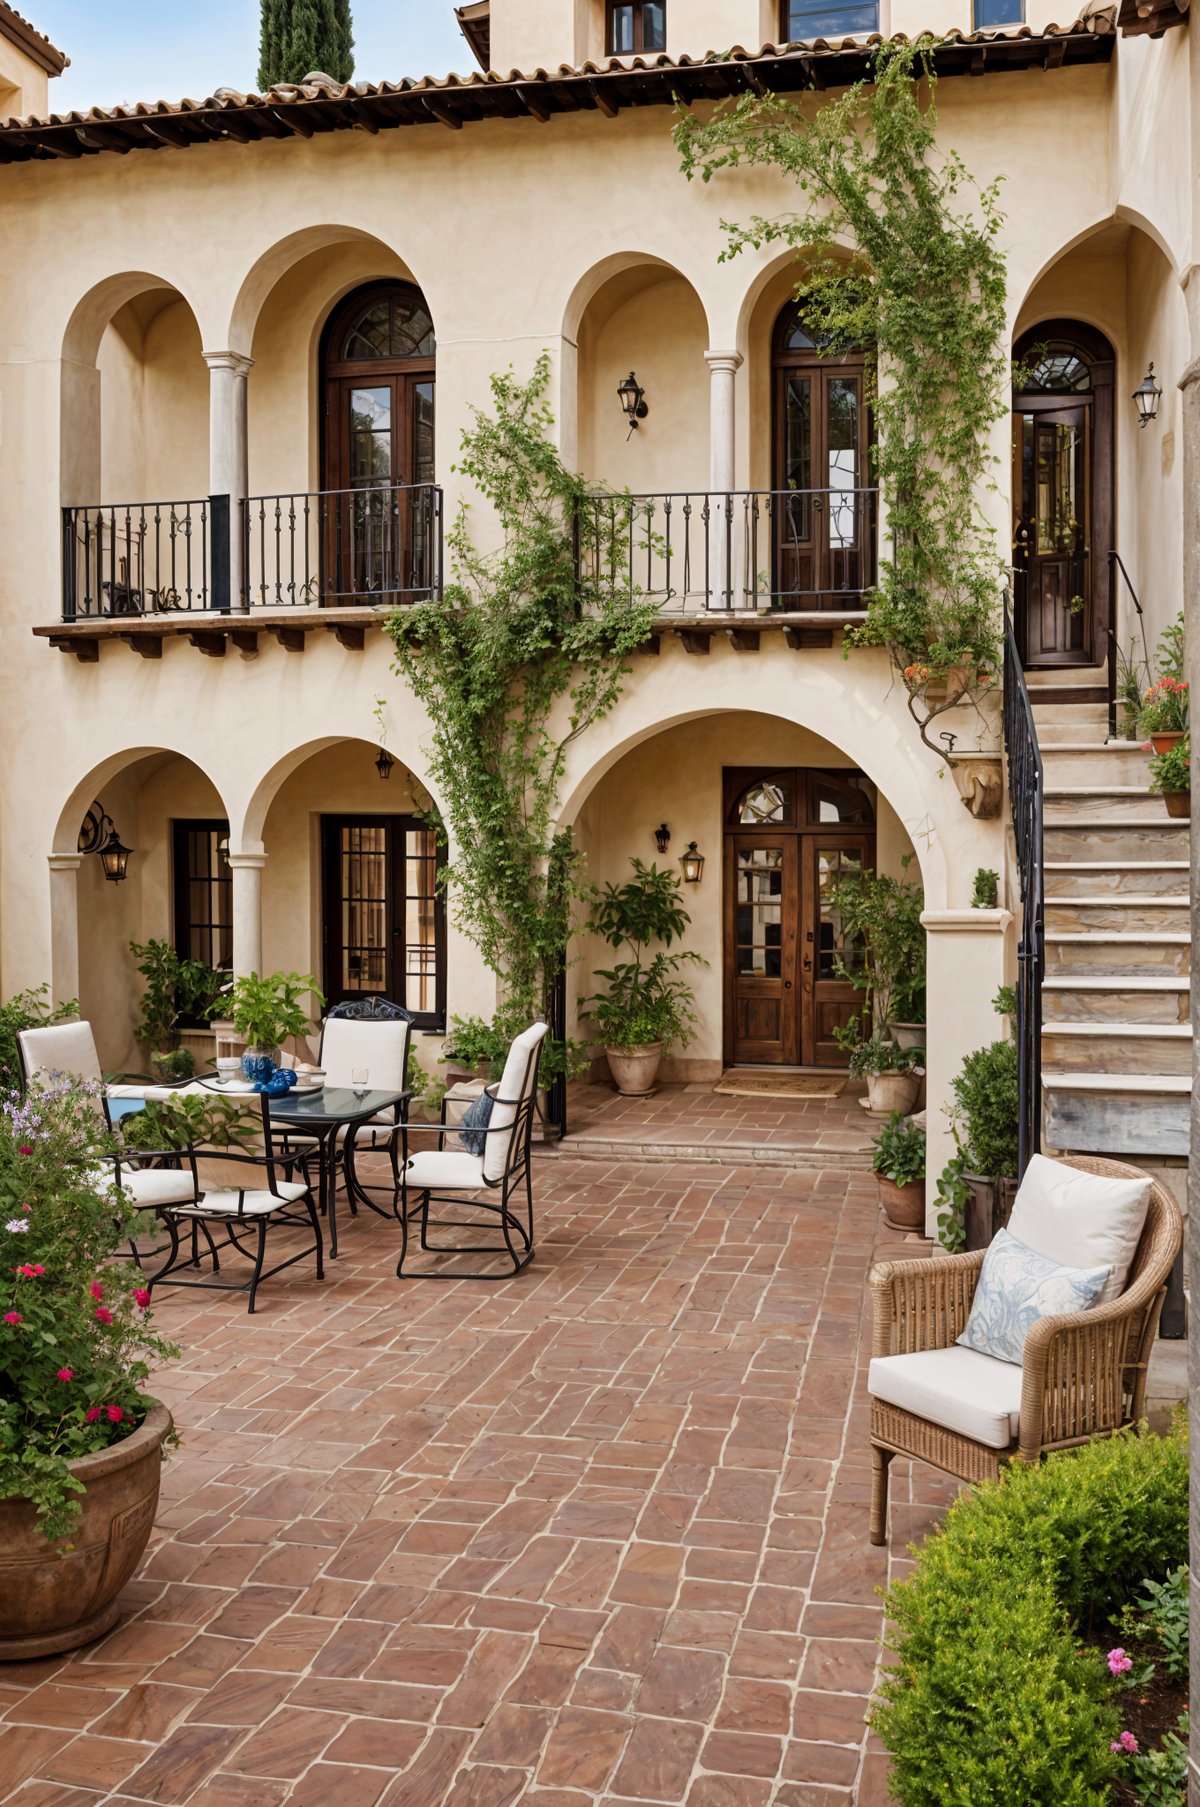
1061 370
767 800
395 325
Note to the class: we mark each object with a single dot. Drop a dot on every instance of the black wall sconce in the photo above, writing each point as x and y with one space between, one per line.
662 837
384 764
633 400
1147 396
99 835
693 865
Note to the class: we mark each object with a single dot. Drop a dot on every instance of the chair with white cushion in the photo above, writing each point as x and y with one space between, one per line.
488 1181
1082 1373
245 1191
374 1033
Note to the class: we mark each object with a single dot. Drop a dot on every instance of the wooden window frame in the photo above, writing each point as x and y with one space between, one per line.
787 36
1017 18
639 33
401 824
181 877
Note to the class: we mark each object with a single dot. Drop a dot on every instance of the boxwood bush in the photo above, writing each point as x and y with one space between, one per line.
996 1696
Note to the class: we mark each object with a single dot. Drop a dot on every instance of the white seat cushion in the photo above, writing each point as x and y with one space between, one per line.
515 1084
158 1186
1081 1219
966 1392
442 1167
253 1204
145 1091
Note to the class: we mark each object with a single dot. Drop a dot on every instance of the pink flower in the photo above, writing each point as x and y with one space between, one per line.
142 1296
12 1317
1124 1746
92 1413
97 1290
66 1374
31 1270
103 1315
25 1150
115 1414
1118 1662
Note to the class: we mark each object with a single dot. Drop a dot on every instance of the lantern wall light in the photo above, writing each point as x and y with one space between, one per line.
1146 397
384 764
633 400
662 837
693 865
98 835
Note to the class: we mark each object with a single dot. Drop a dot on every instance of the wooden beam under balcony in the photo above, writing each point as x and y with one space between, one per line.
744 639
209 631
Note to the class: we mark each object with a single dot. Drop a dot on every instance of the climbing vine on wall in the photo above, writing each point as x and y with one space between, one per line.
516 659
898 252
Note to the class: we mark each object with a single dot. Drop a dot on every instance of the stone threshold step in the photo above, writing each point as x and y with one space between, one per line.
1117 1082
1173 1031
1114 982
725 1154
1123 937
1119 900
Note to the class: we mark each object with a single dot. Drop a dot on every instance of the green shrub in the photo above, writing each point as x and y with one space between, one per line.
27 1010
995 1698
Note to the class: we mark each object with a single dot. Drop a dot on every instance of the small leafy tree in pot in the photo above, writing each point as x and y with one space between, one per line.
893 1073
647 1009
265 1012
177 991
899 1162
977 1187
881 920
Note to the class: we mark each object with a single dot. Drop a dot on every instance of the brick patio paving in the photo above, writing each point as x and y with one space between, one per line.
597 1534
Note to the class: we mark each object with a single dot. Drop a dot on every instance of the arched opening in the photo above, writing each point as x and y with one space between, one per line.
1063 492
822 508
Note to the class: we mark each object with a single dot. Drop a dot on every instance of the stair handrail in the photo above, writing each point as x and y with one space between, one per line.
1117 563
1026 792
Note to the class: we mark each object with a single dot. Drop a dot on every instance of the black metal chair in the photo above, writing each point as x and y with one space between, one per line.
488 1182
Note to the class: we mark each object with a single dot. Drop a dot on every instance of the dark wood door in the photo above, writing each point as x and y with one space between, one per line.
1052 531
381 449
762 918
827 1001
384 913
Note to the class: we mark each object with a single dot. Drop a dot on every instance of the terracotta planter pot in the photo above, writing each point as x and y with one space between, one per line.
907 1035
1179 803
888 1092
989 1206
634 1070
903 1206
51 1600
1162 743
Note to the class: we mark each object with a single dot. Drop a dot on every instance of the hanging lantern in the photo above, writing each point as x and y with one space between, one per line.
662 837
114 857
384 764
633 400
1147 396
693 865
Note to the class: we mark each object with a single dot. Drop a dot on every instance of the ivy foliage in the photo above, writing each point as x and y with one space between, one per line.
897 253
515 634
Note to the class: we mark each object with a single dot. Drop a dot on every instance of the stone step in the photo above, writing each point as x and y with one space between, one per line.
1127 914
1101 878
1100 1048
1073 763
1061 724
1080 999
1108 805
1138 1114
1117 843
1107 954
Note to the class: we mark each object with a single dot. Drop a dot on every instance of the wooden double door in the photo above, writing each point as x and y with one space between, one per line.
784 944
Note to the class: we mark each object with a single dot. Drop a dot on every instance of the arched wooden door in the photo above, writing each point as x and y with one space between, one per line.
378 365
789 836
824 518
1062 486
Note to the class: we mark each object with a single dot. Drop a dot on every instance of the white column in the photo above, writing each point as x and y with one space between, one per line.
64 925
228 448
247 870
727 526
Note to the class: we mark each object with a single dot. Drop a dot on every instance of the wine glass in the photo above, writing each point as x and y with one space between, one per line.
358 1080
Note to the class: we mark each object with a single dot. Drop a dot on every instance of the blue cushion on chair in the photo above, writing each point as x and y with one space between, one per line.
476 1119
1017 1287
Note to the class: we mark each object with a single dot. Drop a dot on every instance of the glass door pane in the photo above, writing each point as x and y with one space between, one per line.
843 439
363 879
421 906
798 457
372 511
759 920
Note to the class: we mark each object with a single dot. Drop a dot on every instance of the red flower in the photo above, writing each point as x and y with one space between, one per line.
103 1315
66 1374
24 1150
31 1270
142 1297
97 1290
92 1413
12 1317
115 1414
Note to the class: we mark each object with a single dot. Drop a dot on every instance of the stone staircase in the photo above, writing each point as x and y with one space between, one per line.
1116 1035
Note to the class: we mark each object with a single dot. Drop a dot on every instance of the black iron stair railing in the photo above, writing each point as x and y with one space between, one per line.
1027 790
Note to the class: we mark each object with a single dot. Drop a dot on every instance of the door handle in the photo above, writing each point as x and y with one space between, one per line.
807 963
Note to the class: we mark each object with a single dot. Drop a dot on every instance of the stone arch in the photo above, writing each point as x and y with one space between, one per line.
272 265
246 828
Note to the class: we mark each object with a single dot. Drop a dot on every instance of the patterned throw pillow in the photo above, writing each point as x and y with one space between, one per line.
476 1118
1016 1288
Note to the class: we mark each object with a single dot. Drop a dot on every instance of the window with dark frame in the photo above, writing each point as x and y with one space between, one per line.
989 13
635 26
385 913
803 20
203 889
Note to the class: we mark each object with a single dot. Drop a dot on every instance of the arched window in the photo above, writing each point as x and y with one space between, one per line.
391 324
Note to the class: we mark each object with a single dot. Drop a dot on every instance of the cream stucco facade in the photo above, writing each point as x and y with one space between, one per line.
162 326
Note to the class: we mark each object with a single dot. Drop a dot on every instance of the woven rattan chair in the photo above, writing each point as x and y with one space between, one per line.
1083 1376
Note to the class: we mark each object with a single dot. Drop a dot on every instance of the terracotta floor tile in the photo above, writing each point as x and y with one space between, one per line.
287 1743
658 1760
583 1749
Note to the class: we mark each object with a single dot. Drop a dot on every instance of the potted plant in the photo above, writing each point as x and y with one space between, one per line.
1164 714
647 1009
80 1442
474 1049
265 1012
893 1073
177 991
985 893
986 1116
1171 776
883 946
899 1164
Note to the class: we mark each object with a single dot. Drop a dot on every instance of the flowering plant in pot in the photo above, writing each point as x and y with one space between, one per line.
899 1164
1171 776
265 1012
648 1008
1164 713
80 1442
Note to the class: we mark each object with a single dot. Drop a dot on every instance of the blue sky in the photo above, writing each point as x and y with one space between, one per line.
126 50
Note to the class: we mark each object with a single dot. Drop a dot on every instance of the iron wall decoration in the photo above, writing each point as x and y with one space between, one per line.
662 837
98 835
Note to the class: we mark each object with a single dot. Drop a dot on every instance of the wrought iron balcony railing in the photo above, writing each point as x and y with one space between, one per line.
379 544
145 558
757 551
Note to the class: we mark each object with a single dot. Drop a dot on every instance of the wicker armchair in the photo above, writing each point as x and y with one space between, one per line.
1083 1376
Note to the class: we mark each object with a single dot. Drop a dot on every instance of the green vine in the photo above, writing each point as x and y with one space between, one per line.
898 254
516 634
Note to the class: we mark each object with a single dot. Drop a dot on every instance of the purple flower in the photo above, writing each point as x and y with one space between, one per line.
1124 1746
17 1226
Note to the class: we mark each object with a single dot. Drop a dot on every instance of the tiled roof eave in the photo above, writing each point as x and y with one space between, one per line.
609 87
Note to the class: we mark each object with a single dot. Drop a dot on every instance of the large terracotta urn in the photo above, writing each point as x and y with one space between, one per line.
53 1598
635 1070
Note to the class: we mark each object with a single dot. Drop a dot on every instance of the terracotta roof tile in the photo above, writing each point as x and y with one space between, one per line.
28 38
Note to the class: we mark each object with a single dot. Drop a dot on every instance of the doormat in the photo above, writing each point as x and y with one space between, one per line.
736 1084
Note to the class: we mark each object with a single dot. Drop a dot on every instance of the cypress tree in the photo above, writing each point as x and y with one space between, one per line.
300 36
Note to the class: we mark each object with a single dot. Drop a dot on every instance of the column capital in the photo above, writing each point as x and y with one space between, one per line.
729 361
246 862
966 922
64 862
236 361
